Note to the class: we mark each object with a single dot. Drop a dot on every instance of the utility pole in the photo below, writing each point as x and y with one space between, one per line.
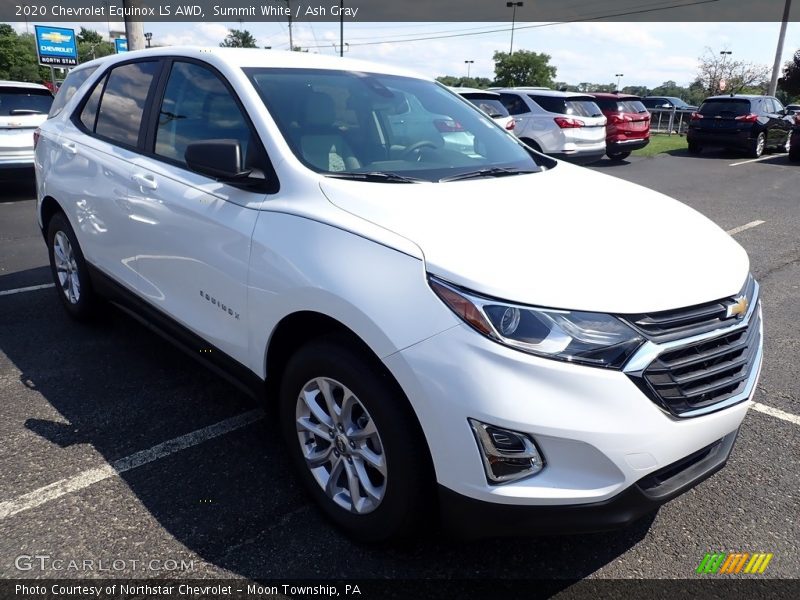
291 42
341 27
513 6
134 31
776 66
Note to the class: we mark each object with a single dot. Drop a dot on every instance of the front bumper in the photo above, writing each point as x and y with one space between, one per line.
475 519
600 435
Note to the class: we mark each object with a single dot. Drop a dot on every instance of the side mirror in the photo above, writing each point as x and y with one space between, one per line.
220 159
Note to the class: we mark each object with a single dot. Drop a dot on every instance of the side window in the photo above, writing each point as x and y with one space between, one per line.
89 112
778 106
71 84
514 104
122 104
197 106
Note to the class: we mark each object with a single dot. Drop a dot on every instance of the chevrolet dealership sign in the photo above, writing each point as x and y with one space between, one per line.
56 46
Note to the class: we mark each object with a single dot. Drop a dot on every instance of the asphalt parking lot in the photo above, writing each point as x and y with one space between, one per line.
117 446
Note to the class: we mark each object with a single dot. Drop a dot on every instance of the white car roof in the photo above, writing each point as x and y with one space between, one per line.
255 57
466 90
546 92
22 84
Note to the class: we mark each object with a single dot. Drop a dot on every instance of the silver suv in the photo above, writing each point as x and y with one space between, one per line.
564 124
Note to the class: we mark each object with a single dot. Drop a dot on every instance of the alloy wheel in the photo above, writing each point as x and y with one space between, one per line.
66 267
341 445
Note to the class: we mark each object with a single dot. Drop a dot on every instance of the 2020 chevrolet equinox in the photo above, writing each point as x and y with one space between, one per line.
524 344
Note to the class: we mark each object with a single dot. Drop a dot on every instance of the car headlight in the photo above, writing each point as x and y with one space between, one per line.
595 339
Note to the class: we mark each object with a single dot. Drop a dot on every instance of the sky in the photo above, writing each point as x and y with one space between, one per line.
646 53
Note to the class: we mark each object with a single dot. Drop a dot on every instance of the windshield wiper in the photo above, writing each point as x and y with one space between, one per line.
381 176
489 172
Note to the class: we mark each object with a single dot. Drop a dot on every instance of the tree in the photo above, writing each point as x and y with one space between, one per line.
239 38
722 74
470 82
91 45
18 57
523 67
790 82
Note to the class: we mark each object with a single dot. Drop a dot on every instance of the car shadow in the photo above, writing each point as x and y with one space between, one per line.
17 186
233 500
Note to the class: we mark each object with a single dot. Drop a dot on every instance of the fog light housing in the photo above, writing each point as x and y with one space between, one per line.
507 455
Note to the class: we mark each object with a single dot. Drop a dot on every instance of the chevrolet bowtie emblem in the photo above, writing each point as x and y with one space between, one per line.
738 309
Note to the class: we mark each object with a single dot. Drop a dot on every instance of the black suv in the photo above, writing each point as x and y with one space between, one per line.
751 123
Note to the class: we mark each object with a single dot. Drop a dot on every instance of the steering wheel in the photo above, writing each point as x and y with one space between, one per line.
417 146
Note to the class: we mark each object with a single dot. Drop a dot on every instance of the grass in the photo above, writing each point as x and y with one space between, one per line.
660 143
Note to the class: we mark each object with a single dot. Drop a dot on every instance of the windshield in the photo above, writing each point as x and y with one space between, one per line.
24 101
345 122
624 106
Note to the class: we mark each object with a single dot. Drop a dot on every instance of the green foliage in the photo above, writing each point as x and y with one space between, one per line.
239 38
91 45
18 57
90 36
470 82
523 67
790 82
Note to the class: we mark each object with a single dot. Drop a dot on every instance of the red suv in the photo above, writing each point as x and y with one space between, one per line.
628 126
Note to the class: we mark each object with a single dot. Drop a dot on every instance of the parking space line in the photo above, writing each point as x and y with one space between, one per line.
91 476
752 160
27 289
744 227
776 412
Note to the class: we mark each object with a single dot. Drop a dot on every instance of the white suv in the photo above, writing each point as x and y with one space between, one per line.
23 107
562 124
529 345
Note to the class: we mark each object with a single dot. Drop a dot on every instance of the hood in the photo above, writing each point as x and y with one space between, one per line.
567 238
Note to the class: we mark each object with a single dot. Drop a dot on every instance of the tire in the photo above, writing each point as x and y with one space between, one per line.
69 270
401 493
694 148
757 146
533 145
618 156
794 154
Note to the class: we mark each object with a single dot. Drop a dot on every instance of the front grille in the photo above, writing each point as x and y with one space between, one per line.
703 373
670 325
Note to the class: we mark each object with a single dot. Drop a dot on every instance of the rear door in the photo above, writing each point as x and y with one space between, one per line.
22 110
779 125
93 167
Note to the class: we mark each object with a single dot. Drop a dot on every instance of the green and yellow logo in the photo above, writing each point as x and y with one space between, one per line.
734 562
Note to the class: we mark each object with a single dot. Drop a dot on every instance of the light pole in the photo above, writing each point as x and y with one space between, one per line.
724 54
776 66
469 64
619 76
148 36
513 6
341 27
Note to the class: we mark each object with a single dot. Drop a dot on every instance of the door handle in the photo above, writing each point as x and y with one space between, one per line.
145 181
70 147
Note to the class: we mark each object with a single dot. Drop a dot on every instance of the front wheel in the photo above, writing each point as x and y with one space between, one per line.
694 148
69 270
618 156
354 441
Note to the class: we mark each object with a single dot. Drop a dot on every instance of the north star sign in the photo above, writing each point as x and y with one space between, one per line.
56 47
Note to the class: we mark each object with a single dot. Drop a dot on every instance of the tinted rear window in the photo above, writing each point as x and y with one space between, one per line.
627 106
724 106
21 101
568 106
71 84
491 106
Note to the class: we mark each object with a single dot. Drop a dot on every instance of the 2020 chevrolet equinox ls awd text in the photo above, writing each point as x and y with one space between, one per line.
517 342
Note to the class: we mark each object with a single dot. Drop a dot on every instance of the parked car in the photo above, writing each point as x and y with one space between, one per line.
488 102
628 126
793 109
23 107
754 124
668 102
567 125
794 141
469 331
